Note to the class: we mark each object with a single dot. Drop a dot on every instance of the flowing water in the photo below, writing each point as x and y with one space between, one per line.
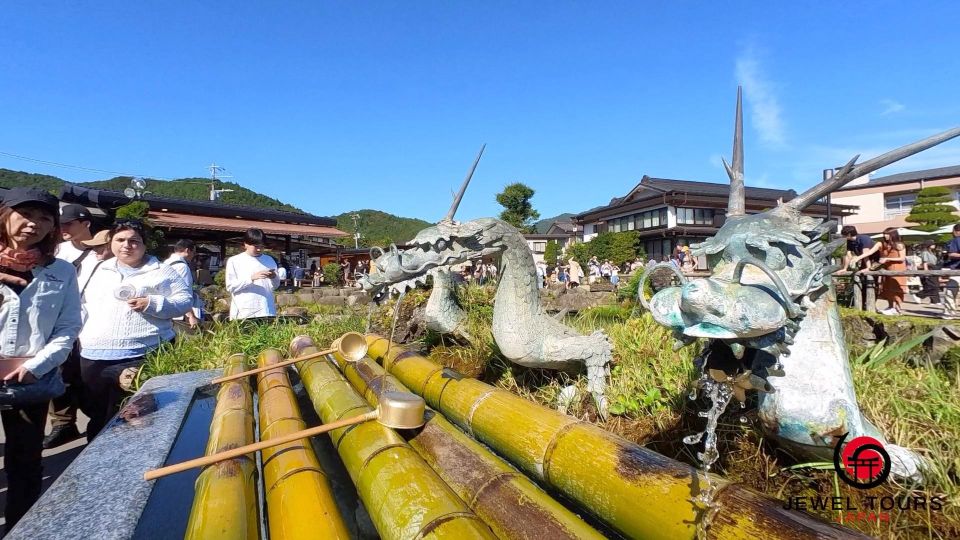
393 328
720 394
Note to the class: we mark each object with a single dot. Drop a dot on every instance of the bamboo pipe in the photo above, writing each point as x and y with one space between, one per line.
475 473
406 500
300 504
640 493
225 495
351 345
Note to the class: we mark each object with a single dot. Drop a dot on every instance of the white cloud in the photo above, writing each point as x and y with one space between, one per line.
891 106
761 96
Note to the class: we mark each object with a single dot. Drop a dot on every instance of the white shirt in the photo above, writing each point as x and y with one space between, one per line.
66 251
281 273
111 324
182 267
251 298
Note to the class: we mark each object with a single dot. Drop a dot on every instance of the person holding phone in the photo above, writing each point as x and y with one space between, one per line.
130 302
251 279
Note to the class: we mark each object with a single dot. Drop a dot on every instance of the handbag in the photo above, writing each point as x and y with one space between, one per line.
14 394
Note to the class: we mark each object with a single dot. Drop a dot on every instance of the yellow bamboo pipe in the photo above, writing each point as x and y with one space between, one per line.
225 495
476 474
300 504
640 493
405 498
349 345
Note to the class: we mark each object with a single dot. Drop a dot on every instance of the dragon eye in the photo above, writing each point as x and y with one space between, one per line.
441 244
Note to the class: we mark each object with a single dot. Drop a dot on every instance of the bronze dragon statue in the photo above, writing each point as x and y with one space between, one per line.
769 309
524 333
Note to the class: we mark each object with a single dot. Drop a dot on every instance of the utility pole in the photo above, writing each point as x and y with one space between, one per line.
356 230
215 170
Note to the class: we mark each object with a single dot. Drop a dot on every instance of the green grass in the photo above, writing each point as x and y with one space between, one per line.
210 348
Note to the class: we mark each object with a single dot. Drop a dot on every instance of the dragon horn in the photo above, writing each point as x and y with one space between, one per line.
463 188
850 172
736 205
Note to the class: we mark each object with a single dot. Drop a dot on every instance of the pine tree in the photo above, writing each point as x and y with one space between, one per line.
518 211
930 210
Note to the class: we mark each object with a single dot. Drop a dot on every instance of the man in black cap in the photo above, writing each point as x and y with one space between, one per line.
75 221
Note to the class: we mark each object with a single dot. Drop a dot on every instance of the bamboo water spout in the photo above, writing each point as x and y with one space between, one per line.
634 490
300 504
225 495
405 498
512 505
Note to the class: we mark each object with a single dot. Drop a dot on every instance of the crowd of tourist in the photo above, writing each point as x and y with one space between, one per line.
79 313
890 253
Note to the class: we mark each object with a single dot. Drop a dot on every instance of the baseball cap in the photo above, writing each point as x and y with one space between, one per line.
19 196
73 212
99 239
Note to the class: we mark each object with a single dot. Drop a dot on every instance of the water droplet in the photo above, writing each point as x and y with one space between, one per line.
743 404
743 419
693 439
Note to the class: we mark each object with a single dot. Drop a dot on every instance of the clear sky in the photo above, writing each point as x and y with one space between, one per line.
335 106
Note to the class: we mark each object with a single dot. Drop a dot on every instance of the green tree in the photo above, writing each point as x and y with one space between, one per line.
551 253
618 248
331 273
518 211
139 210
930 210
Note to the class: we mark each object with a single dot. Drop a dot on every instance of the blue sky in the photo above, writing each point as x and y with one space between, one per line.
335 106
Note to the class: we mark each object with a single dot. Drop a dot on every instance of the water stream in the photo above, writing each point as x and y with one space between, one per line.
393 328
720 394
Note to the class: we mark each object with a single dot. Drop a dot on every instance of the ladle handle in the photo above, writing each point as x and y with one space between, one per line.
254 371
255 447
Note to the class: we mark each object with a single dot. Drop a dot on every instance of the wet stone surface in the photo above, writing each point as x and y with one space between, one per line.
102 494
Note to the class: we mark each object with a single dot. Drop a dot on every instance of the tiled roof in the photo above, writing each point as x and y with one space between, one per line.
912 176
655 187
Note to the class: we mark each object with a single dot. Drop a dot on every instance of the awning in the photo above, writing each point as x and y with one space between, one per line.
177 220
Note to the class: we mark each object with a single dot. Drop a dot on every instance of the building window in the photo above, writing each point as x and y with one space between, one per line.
695 216
539 247
898 205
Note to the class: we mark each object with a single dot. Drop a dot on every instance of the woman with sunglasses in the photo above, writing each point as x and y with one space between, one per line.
39 321
130 302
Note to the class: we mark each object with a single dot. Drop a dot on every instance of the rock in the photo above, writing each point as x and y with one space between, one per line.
305 298
222 305
333 301
358 298
330 291
944 338
577 299
294 311
601 286
286 299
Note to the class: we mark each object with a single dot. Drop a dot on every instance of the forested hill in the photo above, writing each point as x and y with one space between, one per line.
379 228
198 189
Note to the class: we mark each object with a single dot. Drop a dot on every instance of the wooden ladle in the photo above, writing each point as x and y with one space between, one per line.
352 346
397 410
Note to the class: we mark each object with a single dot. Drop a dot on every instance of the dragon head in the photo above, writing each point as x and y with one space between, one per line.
442 245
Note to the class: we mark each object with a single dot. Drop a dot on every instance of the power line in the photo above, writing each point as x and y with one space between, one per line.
80 168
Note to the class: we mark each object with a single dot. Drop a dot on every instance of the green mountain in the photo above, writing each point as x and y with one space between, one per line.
182 188
197 189
379 228
9 179
542 226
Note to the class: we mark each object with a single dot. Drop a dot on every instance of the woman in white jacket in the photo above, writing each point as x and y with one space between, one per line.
130 302
39 321
251 279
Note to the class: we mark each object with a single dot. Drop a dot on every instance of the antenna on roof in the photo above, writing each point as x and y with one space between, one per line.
215 175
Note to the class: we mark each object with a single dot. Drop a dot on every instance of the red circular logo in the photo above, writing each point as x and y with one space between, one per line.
862 462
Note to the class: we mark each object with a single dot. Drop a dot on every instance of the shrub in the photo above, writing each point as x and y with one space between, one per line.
331 273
